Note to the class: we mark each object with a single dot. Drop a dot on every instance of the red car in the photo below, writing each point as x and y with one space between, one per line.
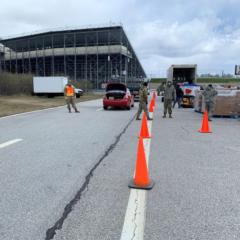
118 95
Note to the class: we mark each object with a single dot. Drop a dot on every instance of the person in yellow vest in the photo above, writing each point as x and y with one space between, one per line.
69 93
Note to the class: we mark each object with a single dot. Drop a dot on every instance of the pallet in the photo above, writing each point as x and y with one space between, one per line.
227 116
233 116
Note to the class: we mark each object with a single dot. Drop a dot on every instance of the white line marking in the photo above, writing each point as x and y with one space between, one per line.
134 222
100 109
6 144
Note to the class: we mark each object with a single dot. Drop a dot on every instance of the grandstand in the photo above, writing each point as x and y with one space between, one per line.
96 54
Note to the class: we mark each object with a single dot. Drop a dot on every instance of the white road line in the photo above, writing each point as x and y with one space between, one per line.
6 144
134 222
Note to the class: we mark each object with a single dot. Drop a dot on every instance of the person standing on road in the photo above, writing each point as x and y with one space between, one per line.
169 97
179 93
161 88
69 93
209 94
143 101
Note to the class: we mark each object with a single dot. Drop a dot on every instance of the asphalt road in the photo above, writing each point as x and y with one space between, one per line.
42 174
197 195
67 179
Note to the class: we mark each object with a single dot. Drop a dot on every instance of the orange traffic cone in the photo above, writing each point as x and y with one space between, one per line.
154 95
141 179
154 101
144 133
205 126
151 107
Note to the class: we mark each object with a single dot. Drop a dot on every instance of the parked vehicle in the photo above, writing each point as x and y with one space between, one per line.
185 75
52 86
134 89
79 92
118 95
189 93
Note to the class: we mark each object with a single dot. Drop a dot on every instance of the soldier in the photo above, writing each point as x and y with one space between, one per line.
209 94
179 93
143 99
69 93
161 88
169 97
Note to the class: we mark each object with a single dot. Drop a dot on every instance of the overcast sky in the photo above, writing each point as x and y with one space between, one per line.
203 32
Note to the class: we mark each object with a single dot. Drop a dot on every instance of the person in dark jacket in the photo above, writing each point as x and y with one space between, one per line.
179 94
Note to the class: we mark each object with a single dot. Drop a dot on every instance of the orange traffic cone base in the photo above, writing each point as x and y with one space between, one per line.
141 179
204 131
149 186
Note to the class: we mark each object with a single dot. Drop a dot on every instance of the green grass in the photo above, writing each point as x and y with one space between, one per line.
218 80
158 80
203 80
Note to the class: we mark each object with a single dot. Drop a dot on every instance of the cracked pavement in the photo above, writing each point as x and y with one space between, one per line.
195 196
41 175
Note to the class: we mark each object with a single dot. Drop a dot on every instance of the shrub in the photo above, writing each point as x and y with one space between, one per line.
14 84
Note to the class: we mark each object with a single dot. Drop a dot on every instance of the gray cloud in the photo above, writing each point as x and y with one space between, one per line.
162 32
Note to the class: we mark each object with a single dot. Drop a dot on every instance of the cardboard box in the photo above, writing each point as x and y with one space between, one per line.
227 102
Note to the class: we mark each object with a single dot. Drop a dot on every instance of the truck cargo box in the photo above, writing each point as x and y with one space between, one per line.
49 85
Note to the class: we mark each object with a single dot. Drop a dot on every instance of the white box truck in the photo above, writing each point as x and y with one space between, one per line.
49 86
182 73
185 75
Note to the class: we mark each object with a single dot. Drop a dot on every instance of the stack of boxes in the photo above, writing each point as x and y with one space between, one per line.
227 102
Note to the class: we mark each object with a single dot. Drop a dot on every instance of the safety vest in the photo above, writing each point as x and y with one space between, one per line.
70 91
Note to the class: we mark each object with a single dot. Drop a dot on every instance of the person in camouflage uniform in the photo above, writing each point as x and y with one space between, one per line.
69 94
209 94
169 97
161 88
143 99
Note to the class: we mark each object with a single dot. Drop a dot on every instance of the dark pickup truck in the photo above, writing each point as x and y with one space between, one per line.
134 89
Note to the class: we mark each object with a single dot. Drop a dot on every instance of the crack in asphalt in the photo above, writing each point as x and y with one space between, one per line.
185 130
135 217
51 232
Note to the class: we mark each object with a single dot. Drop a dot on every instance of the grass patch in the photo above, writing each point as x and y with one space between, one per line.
204 80
158 80
218 80
10 105
11 84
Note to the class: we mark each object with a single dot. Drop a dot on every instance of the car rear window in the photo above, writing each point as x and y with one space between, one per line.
116 86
